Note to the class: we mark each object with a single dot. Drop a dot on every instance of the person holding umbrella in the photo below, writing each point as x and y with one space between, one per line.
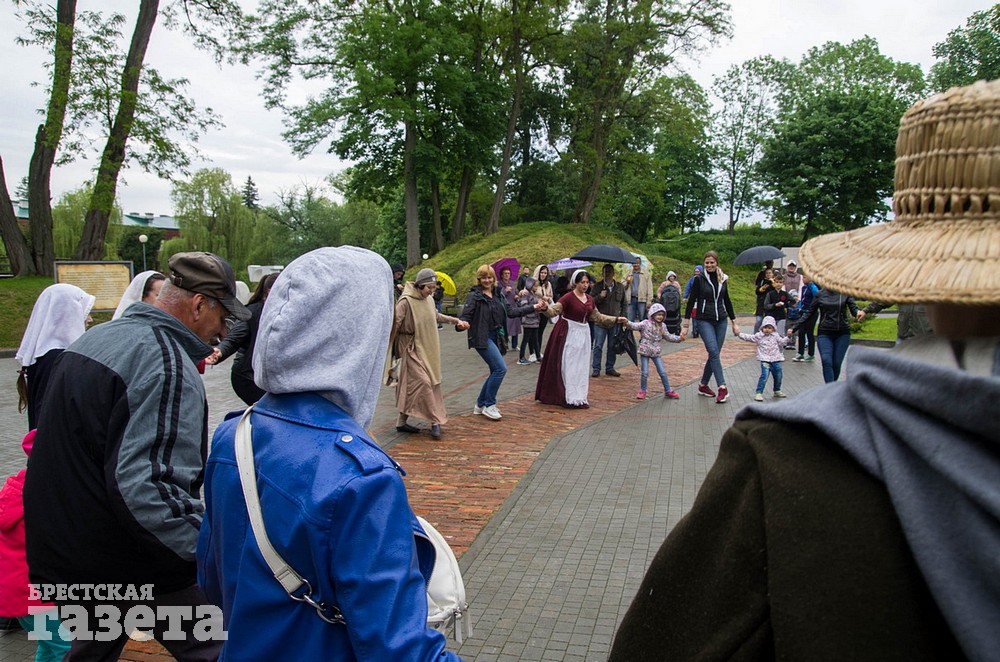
710 294
609 295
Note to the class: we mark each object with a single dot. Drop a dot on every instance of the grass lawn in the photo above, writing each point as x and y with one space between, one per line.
878 328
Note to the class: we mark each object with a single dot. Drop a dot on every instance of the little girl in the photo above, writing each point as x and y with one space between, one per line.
531 323
653 331
33 615
769 346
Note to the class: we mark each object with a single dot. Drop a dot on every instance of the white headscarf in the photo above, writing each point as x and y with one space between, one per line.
133 293
57 320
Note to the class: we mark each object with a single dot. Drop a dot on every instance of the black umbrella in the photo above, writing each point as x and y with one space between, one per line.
758 254
625 344
604 253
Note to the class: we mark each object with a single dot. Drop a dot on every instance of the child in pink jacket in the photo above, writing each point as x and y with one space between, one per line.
769 352
37 618
653 330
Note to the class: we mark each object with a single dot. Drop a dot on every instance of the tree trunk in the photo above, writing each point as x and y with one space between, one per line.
436 214
515 112
590 182
13 239
464 188
410 195
47 141
102 200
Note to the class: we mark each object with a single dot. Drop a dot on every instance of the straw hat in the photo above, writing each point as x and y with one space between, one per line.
944 244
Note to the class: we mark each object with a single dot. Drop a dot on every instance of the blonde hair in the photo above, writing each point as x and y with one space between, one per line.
485 270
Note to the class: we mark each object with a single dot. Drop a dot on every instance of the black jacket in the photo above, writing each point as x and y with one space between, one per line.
832 318
711 300
478 311
241 340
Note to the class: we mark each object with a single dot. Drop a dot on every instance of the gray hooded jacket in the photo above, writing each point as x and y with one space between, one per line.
304 343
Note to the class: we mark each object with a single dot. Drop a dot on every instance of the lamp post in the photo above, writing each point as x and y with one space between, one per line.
142 240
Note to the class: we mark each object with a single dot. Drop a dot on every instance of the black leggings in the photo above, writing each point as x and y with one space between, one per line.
530 341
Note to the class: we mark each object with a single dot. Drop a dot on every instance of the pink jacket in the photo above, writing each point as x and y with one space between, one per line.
13 561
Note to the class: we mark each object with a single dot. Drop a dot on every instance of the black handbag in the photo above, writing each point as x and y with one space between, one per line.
502 341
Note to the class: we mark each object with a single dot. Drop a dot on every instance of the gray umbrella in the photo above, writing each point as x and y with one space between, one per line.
758 254
604 253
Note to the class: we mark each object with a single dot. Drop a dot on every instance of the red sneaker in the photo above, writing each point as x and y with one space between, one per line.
704 390
672 395
723 394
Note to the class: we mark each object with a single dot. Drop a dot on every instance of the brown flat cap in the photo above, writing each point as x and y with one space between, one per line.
208 274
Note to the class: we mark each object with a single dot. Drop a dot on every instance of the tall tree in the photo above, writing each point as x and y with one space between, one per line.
830 160
615 49
83 92
251 198
747 99
17 248
969 53
212 216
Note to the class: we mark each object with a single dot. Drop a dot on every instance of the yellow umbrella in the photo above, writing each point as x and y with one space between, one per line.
447 283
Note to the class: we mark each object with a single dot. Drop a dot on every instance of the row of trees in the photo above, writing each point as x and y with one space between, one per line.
462 115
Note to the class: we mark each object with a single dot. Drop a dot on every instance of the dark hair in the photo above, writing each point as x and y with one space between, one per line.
148 285
580 276
263 288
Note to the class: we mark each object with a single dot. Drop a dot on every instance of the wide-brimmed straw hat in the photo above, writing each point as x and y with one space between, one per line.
943 246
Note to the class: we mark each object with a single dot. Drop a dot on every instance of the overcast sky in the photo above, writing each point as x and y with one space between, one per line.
251 143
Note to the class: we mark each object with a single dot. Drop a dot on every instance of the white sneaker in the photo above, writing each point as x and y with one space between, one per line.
477 410
532 359
759 397
492 412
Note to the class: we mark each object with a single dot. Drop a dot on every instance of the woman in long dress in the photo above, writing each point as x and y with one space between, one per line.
414 341
564 375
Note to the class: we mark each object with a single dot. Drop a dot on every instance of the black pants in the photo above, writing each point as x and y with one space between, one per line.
246 389
530 341
188 649
807 337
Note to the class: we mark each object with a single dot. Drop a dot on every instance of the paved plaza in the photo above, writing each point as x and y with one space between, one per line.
555 513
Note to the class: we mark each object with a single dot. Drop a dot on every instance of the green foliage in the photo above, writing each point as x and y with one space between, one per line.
17 298
212 217
747 95
68 215
130 248
98 59
969 53
829 162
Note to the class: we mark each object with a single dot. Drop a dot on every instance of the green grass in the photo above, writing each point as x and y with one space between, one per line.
17 298
878 328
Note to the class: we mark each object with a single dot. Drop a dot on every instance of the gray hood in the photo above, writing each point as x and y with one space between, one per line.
325 328
931 433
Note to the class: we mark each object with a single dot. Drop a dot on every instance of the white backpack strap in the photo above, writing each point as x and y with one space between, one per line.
298 588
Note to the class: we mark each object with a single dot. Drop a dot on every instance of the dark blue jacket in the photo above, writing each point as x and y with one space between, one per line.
336 510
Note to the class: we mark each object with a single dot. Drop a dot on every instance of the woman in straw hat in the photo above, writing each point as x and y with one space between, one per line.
861 520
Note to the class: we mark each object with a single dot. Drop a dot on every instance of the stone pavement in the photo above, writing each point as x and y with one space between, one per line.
555 513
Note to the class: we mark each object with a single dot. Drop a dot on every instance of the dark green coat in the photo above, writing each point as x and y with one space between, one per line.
790 552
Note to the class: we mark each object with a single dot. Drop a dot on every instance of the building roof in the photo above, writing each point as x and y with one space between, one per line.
149 220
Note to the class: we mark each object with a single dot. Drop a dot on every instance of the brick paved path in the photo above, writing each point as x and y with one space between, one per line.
551 562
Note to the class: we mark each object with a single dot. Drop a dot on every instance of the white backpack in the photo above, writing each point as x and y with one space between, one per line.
446 603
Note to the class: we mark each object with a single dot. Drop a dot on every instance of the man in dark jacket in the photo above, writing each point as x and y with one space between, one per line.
610 299
112 491
861 520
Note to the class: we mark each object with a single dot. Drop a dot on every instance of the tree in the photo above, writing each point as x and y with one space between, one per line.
85 92
251 198
747 100
212 217
615 49
68 215
969 54
831 158
131 249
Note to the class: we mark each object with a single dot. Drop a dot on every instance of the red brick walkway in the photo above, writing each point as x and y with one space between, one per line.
459 481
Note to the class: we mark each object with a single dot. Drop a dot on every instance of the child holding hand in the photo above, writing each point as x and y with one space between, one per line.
652 332
769 346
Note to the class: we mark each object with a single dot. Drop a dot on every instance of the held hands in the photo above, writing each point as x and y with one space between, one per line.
214 357
622 320
462 325
789 332
541 305
861 315
736 328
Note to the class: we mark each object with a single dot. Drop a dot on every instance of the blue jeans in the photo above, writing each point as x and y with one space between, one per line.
832 350
766 369
644 368
713 334
636 310
498 370
600 336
